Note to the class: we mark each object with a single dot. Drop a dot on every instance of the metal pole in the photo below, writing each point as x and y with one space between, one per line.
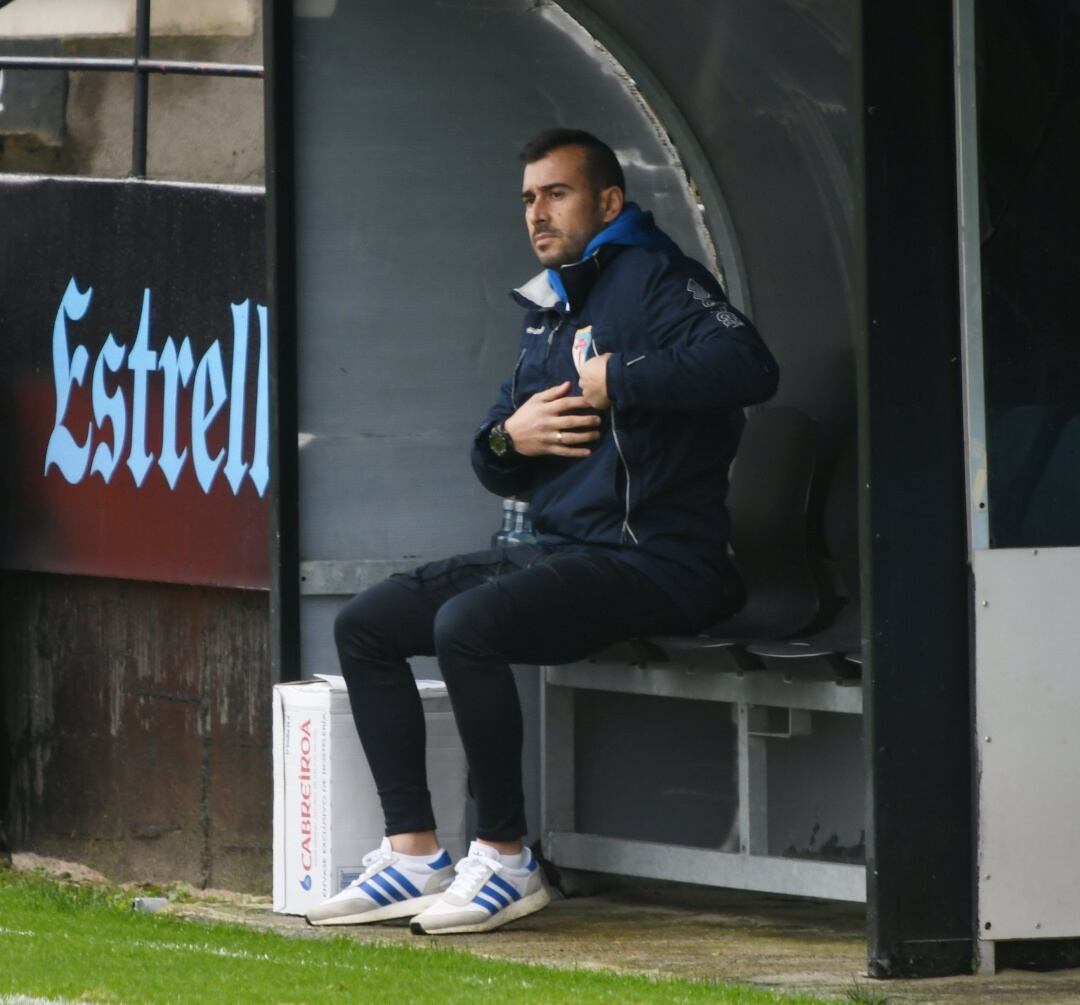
116 65
967 203
141 97
281 289
917 723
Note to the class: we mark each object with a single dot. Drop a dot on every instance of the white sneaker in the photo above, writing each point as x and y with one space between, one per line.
391 886
486 894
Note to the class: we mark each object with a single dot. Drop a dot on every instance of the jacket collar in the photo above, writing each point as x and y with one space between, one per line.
578 278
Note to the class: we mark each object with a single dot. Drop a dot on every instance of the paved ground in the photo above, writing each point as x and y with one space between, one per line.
775 942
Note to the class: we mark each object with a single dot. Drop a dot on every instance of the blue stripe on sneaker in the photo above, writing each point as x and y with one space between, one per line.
486 904
503 885
398 878
374 894
389 887
489 891
441 862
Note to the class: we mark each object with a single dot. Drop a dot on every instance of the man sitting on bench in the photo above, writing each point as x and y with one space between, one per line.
619 422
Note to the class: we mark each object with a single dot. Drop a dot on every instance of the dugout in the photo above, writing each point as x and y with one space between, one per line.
884 189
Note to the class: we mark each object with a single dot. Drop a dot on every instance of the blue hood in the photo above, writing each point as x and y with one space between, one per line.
633 227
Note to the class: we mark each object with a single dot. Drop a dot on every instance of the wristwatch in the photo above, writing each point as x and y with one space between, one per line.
499 440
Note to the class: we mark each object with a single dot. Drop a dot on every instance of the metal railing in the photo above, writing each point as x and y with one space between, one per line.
140 65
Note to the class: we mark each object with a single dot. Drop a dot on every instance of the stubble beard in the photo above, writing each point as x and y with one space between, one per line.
570 254
558 257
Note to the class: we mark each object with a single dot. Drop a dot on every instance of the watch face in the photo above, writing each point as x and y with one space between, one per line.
498 440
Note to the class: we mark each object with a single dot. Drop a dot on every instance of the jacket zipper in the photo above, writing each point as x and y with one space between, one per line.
551 336
521 357
513 379
627 531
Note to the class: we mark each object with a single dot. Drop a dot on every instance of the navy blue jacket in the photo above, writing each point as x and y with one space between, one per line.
684 363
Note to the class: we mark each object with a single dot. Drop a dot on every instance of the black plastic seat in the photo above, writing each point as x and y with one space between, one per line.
769 503
830 649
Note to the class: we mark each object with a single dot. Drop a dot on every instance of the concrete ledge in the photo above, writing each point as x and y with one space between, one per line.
780 943
64 19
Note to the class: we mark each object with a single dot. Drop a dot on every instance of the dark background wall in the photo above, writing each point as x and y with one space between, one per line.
410 238
409 116
1029 87
410 235
767 91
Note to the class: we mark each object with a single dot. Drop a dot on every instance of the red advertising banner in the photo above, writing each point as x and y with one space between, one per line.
134 422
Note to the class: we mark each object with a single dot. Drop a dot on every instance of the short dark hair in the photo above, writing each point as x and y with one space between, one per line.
601 165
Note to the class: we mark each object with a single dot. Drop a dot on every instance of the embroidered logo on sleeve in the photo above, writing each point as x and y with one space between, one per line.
582 343
729 320
700 294
727 317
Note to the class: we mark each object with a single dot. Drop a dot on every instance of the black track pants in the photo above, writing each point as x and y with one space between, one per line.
478 613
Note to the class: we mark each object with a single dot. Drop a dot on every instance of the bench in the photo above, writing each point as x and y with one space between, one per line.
779 675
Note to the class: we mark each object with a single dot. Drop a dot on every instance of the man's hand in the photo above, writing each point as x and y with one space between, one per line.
593 380
546 424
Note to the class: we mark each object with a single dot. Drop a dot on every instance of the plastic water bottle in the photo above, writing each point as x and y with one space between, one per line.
522 532
500 536
529 534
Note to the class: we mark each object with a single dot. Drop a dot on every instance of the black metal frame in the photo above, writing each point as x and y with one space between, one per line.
913 547
140 66
281 291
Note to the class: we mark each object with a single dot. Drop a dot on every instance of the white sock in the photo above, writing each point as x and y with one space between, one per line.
517 861
418 860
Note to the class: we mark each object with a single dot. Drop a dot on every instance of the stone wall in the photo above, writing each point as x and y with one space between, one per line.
201 129
137 717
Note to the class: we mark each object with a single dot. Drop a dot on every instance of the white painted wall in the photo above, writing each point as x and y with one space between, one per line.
1027 747
71 18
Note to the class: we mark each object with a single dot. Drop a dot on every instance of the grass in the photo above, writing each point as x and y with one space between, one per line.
61 940
859 995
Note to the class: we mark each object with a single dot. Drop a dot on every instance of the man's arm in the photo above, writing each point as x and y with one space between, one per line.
548 424
510 474
704 354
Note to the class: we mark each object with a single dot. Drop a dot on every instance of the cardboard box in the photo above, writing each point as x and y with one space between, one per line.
326 811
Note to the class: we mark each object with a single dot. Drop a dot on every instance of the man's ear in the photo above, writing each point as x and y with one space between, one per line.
612 200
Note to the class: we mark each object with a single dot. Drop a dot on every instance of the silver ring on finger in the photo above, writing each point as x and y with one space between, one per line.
558 436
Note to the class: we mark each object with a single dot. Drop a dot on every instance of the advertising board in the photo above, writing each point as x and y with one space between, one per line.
134 388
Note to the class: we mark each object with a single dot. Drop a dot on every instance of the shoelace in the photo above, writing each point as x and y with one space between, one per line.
372 862
472 873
